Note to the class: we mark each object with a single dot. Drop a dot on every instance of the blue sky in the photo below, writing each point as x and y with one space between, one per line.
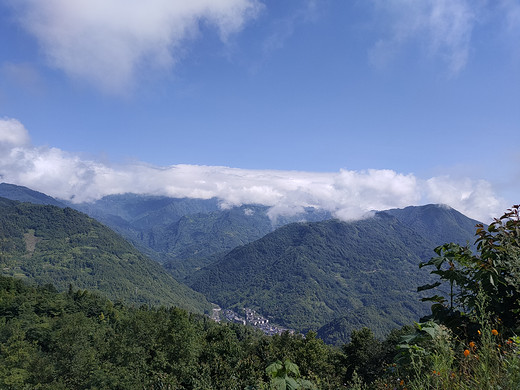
347 105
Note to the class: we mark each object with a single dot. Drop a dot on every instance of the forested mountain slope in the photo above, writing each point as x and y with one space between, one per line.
439 223
48 244
186 234
193 241
304 275
146 211
337 275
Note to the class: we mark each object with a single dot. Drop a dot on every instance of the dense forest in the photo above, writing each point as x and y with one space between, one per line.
329 276
78 340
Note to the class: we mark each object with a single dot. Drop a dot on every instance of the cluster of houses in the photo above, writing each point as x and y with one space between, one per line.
251 318
231 316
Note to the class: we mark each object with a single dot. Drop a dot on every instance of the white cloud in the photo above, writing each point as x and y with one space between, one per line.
442 27
470 197
347 194
107 42
12 133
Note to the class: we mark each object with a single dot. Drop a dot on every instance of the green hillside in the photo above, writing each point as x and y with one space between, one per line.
195 239
439 223
48 244
182 234
186 234
305 275
380 320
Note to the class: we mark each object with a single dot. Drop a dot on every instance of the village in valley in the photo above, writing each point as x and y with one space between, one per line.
250 317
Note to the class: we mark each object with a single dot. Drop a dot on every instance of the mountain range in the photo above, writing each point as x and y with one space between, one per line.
186 234
321 274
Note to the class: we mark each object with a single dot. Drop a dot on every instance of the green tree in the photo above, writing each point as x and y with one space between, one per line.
363 355
16 357
495 269
286 375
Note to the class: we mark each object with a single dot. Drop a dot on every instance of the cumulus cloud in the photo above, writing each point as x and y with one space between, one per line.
347 194
12 133
466 195
108 42
443 27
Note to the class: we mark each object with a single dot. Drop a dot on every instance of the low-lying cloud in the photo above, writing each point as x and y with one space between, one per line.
347 194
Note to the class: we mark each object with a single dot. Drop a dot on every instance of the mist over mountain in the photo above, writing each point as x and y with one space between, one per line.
183 234
145 211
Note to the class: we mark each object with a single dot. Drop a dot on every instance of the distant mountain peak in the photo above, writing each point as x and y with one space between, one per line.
24 194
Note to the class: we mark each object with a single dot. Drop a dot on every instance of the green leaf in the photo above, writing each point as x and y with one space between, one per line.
278 383
428 286
292 368
430 331
291 384
274 368
307 384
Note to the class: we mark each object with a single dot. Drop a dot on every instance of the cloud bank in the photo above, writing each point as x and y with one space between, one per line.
347 194
108 42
